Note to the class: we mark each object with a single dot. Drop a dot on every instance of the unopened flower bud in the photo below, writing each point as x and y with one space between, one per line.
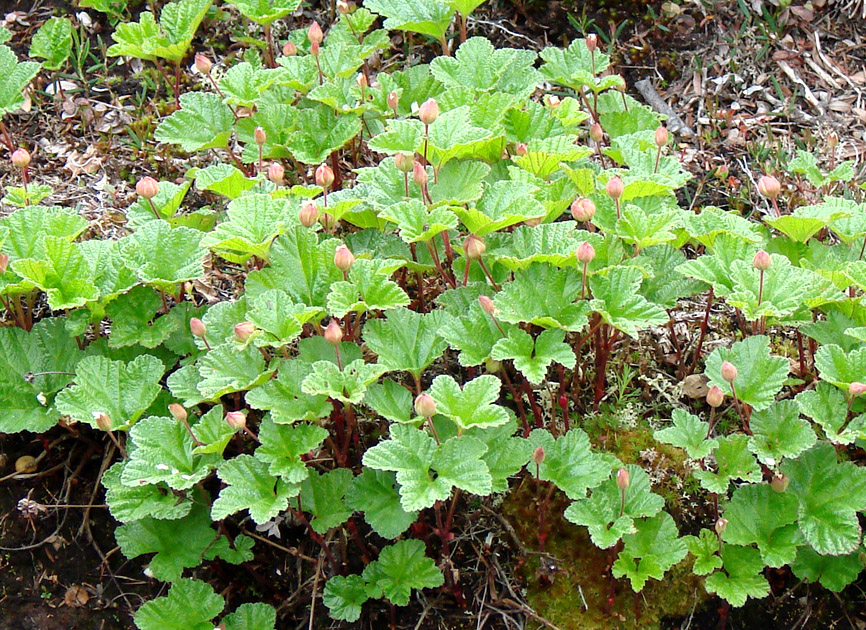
315 34
419 174
596 133
197 327
21 158
333 333
721 526
102 421
147 187
521 149
178 412
328 221
486 304
722 171
538 455
276 173
591 42
856 389
343 7
314 49
425 405
715 397
729 371
769 186
404 162
290 49
762 260
429 111
661 136
236 420
615 187
362 81
308 214
582 209
585 252
203 64
260 136
324 176
244 331
4 263
622 479
832 140
553 101
474 247
780 482
343 258
393 100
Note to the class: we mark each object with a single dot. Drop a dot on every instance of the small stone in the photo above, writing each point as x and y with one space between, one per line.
696 386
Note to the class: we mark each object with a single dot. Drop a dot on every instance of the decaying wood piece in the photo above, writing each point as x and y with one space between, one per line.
674 123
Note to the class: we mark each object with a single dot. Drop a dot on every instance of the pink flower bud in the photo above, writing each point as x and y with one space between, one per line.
203 64
362 81
474 247
729 371
715 397
309 214
236 420
393 100
538 455
419 174
102 421
260 136
780 482
615 187
521 149
585 253
856 389
314 49
486 304
177 412
197 327
315 34
343 7
147 187
244 331
596 133
553 101
661 136
289 49
582 209
769 186
4 263
425 405
622 479
324 176
591 42
333 332
276 173
404 162
429 111
343 258
762 260
328 221
832 140
721 526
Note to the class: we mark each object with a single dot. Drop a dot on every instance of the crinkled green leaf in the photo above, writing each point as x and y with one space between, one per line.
322 496
760 375
532 357
734 461
704 548
400 568
833 572
779 432
741 578
569 462
473 404
346 385
617 299
282 396
375 493
839 367
249 486
689 433
544 296
132 503
283 445
202 122
649 552
826 405
189 605
52 43
405 340
14 77
344 596
757 514
367 289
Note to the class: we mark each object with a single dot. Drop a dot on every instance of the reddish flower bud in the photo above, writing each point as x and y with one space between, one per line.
393 100
314 49
661 136
780 482
538 455
582 209
289 49
102 421
596 133
721 526
177 412
856 389
276 173
203 64
324 176
343 258
592 42
832 140
404 162
309 214
147 187
419 174
429 111
622 479
762 260
333 332
585 253
486 304
315 34
729 371
236 420
343 7
715 397
553 101
723 171
425 405
197 327
4 263
244 331
260 136
615 187
769 186
474 247
362 81
521 149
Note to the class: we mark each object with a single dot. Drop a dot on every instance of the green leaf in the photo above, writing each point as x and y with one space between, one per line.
367 289
506 455
400 136
179 21
779 432
375 493
322 496
712 222
617 299
255 616
405 340
163 256
689 433
428 17
478 66
283 445
757 514
344 597
760 376
132 503
544 296
122 391
553 243
53 43
178 544
704 548
575 66
320 132
569 462
14 77
416 223
63 274
132 320
734 461
225 370
605 514
223 179
400 568
390 400
473 333
202 122
249 486
742 576
265 11
644 229
346 385
833 572
472 405
279 320
212 431
282 396
532 357
254 221
839 367
189 605
650 551
826 405
783 288
503 204
453 135
830 496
